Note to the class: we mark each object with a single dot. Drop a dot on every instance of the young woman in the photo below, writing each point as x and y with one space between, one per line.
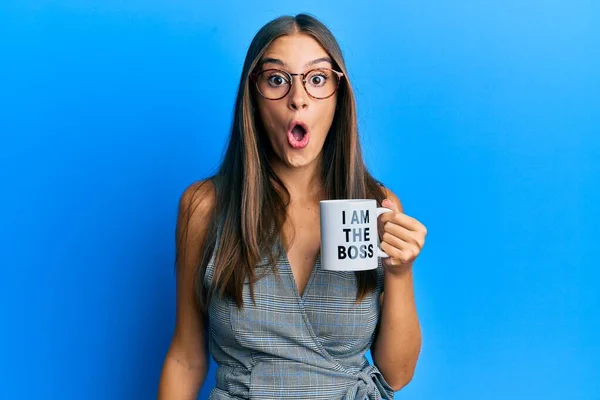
250 290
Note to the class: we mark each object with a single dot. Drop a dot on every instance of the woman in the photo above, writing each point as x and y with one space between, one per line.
250 289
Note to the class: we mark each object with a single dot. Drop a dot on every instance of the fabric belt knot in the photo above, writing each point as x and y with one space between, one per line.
363 389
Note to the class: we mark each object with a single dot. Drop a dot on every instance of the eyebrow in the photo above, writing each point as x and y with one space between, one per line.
283 64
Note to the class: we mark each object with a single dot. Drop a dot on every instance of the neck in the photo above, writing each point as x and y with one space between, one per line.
303 183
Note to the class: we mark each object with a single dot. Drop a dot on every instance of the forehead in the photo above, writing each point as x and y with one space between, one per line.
295 51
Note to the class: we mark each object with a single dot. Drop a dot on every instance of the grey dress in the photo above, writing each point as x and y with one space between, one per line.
296 347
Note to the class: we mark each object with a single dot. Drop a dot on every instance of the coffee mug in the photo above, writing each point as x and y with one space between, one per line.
349 236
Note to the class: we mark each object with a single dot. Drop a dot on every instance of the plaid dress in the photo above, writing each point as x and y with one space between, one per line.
288 346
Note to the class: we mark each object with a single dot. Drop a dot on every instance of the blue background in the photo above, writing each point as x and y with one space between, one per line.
482 116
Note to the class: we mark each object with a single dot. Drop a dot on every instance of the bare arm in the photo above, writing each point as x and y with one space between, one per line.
186 363
398 342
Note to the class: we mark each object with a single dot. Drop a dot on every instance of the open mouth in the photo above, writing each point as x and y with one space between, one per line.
298 135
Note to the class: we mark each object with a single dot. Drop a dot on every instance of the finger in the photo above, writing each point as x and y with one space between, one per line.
403 256
387 203
395 241
404 234
403 220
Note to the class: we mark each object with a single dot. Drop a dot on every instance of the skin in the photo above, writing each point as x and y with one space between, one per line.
296 54
298 168
397 345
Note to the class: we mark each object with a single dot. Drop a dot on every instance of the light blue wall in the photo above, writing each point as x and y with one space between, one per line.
482 116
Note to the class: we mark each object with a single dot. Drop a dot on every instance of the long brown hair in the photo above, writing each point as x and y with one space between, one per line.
250 200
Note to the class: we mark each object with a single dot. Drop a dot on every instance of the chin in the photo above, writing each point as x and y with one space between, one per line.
298 160
293 158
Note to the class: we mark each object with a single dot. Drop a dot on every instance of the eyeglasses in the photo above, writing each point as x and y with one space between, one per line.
275 84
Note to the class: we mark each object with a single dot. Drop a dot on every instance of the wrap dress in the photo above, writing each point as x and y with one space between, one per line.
287 346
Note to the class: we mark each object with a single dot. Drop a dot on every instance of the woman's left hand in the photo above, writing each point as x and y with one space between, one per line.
402 240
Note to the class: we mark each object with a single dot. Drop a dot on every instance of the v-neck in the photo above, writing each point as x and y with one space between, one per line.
288 265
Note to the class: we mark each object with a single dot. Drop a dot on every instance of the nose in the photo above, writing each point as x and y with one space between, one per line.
298 98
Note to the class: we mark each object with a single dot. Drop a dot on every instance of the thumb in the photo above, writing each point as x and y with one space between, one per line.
387 203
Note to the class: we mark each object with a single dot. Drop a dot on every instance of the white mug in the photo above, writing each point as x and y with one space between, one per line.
349 236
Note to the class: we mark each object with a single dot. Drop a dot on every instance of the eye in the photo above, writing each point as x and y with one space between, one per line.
318 78
277 79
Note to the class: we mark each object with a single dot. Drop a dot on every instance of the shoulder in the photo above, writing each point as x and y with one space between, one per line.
391 196
199 195
196 204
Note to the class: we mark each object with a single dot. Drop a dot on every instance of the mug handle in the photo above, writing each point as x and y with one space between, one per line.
381 210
